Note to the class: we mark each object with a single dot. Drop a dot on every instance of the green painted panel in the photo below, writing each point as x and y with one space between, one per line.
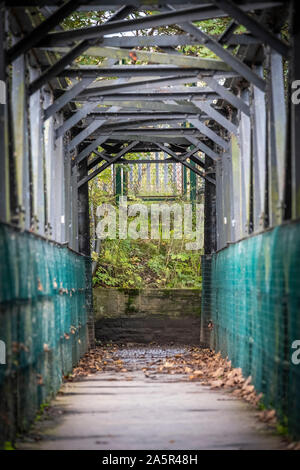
184 181
251 293
43 322
193 184
118 183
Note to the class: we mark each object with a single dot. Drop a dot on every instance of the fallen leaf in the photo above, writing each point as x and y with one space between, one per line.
216 383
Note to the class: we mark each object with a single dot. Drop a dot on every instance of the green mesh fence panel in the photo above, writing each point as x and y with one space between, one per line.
145 179
150 179
251 293
43 322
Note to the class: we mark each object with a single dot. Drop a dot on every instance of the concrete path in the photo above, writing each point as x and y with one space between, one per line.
131 411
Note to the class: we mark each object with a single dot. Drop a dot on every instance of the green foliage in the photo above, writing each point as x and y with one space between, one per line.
8 446
282 430
40 413
214 26
141 263
147 263
85 19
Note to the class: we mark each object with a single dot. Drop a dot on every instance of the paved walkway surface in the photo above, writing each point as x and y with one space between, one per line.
110 410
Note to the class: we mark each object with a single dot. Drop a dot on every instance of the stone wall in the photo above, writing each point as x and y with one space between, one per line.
147 315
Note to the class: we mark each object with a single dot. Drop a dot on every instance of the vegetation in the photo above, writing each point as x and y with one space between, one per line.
214 26
8 445
147 263
139 263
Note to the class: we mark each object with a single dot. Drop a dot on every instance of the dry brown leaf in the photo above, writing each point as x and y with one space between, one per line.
219 372
248 389
168 364
198 373
216 383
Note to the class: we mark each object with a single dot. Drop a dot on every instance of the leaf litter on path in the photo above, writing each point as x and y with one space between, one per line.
188 364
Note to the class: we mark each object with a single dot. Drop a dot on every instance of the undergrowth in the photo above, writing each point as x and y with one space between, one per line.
147 263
